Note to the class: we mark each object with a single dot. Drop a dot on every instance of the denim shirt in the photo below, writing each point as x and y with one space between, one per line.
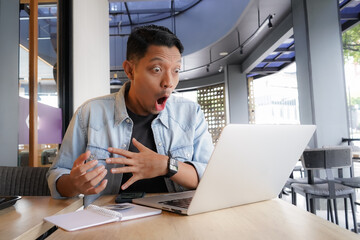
180 130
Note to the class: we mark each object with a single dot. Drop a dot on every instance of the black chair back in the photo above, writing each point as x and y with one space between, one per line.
23 181
327 158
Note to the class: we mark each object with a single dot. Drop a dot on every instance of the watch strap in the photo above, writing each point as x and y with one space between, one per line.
172 167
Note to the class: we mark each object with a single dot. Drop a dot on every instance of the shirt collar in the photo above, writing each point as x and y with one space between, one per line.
121 113
120 106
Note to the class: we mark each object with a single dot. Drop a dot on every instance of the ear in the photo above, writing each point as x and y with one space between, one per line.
129 69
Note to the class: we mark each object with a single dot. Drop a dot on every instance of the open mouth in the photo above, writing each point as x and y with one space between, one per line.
160 103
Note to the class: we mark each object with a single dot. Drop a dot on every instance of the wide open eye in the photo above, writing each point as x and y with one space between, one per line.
156 69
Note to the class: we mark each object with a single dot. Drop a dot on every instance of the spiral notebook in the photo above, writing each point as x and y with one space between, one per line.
94 215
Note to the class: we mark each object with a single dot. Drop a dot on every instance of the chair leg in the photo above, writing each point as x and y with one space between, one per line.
352 199
335 212
312 205
307 199
330 212
293 196
346 213
327 210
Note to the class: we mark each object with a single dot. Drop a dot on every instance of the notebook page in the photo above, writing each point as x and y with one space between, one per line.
84 218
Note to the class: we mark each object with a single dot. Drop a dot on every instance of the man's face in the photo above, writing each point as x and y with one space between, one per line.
153 78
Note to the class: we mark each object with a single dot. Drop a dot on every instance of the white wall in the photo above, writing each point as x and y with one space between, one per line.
90 50
9 88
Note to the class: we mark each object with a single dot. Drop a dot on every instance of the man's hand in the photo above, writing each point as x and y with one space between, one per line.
81 180
145 164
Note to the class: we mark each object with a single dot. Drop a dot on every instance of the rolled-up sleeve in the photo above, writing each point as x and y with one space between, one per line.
74 144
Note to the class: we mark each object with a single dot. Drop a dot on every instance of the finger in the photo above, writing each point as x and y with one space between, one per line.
96 179
121 152
88 176
139 146
123 170
129 182
125 161
98 189
82 169
81 159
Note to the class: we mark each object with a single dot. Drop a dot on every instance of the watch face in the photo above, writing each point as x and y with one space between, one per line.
173 165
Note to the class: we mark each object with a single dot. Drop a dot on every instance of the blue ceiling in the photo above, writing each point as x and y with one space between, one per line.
285 53
134 13
139 12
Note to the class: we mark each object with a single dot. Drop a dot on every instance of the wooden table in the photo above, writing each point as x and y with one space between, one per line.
24 220
273 219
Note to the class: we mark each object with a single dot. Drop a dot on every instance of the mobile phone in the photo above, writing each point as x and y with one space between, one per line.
128 196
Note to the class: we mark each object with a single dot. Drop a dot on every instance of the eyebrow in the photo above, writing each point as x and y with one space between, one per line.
160 59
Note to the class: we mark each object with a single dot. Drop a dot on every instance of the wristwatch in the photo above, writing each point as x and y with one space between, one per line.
172 167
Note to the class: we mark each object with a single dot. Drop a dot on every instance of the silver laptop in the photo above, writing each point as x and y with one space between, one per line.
250 163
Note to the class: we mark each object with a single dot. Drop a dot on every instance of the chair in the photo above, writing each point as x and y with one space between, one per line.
327 159
303 179
23 181
23 159
48 156
351 181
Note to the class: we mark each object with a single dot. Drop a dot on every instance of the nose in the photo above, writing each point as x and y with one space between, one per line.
168 80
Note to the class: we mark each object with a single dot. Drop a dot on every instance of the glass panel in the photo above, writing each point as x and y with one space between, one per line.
49 119
287 55
274 65
191 95
272 55
351 40
276 98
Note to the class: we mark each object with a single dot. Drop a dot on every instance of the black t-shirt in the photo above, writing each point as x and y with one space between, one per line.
143 133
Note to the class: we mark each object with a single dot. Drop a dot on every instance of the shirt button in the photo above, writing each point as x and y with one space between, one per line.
128 120
124 145
187 154
160 144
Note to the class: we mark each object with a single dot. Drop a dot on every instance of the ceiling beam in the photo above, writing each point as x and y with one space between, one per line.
265 70
128 13
345 4
289 49
287 60
349 16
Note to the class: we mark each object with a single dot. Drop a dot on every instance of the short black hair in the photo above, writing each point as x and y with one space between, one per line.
142 37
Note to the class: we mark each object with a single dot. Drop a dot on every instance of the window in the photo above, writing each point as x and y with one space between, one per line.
48 110
351 46
274 98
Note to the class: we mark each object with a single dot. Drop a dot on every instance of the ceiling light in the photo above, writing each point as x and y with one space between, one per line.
223 53
270 23
266 23
221 68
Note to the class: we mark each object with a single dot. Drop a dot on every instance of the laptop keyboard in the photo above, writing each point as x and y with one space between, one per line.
182 203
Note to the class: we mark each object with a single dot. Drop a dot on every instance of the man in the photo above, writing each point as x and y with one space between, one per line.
141 138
